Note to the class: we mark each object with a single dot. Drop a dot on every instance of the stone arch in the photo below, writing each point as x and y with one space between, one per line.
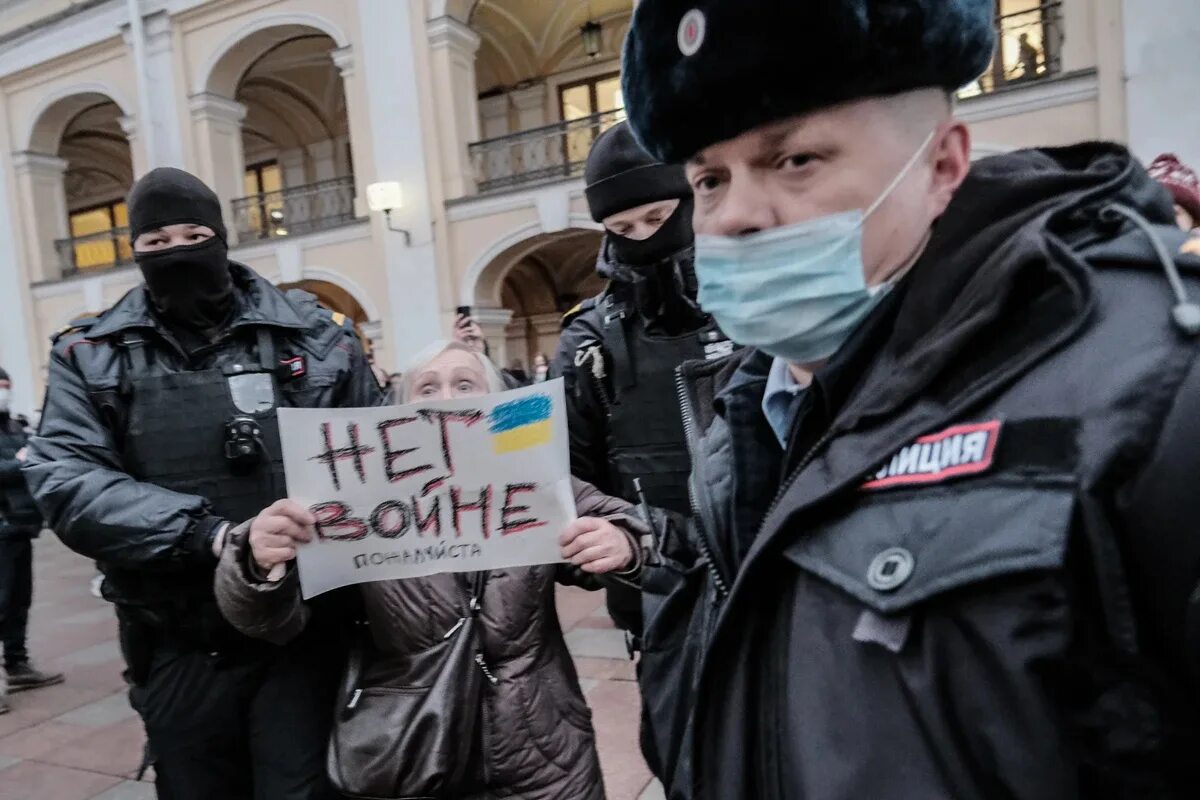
77 158
272 117
356 292
460 10
55 111
526 280
225 66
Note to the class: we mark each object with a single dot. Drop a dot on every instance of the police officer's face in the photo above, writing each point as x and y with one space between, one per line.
641 222
172 236
835 160
453 373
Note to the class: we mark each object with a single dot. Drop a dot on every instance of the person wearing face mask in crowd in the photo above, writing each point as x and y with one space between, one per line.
619 351
949 486
20 523
158 436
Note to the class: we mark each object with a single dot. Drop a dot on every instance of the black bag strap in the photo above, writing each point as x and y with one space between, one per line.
266 349
616 340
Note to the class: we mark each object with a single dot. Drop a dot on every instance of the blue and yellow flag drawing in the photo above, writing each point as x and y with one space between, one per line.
521 424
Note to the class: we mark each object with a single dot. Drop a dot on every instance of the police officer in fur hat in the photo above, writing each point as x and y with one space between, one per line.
950 484
159 444
619 351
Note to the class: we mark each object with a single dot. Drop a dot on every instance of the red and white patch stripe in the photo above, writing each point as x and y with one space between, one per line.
957 451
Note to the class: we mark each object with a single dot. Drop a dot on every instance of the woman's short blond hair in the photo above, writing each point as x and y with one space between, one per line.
495 382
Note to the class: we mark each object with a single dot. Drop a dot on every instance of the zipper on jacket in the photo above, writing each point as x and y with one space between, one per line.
689 431
483 665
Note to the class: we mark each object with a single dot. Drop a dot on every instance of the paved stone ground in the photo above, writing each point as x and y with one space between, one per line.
81 740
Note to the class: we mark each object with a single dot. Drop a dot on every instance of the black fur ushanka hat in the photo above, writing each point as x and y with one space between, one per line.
697 72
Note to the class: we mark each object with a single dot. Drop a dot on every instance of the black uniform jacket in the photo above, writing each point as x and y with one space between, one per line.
976 573
75 462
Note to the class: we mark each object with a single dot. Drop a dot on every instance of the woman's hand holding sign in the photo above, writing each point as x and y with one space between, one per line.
596 545
275 533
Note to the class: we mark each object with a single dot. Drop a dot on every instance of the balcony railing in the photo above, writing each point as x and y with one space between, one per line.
1029 48
94 251
295 210
539 154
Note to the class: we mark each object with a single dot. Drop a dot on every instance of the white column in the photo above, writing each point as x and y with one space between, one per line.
531 106
217 122
389 86
17 335
531 113
494 115
452 48
324 165
294 167
164 100
137 152
356 103
39 180
546 330
341 156
494 324
1161 78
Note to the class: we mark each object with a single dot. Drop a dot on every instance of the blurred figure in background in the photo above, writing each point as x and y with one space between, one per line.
20 522
541 368
468 332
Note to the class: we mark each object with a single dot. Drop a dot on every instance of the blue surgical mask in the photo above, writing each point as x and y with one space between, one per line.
796 292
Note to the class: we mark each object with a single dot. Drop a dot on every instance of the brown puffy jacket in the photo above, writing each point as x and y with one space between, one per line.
538 738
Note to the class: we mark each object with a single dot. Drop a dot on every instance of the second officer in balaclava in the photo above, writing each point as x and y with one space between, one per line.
619 351
158 438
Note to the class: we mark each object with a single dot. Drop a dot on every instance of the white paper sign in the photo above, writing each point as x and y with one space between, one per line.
444 486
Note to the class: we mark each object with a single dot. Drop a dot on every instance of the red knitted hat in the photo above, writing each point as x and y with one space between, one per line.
1180 180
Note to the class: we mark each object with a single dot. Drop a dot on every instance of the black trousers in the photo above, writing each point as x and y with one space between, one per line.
249 728
16 595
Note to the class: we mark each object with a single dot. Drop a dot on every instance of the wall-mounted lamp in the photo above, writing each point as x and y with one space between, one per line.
590 33
386 196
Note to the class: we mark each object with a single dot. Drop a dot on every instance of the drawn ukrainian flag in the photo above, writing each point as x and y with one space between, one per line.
521 424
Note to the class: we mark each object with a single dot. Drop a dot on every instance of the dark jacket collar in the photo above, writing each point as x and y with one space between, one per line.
259 303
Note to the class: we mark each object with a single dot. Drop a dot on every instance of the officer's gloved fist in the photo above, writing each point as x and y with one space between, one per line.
596 546
276 532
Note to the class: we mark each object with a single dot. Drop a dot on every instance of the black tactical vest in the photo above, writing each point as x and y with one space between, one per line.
645 429
179 432
212 433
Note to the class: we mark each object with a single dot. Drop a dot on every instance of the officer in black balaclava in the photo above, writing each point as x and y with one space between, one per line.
158 446
180 247
619 351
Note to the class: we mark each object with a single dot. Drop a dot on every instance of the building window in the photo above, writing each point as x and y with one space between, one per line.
265 182
1029 45
585 99
100 236
591 96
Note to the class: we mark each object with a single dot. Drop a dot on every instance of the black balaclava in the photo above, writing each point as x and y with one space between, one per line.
620 176
189 285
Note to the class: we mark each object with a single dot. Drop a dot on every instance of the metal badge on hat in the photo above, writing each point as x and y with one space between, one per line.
691 32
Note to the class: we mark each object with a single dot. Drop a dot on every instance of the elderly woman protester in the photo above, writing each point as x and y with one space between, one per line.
536 739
